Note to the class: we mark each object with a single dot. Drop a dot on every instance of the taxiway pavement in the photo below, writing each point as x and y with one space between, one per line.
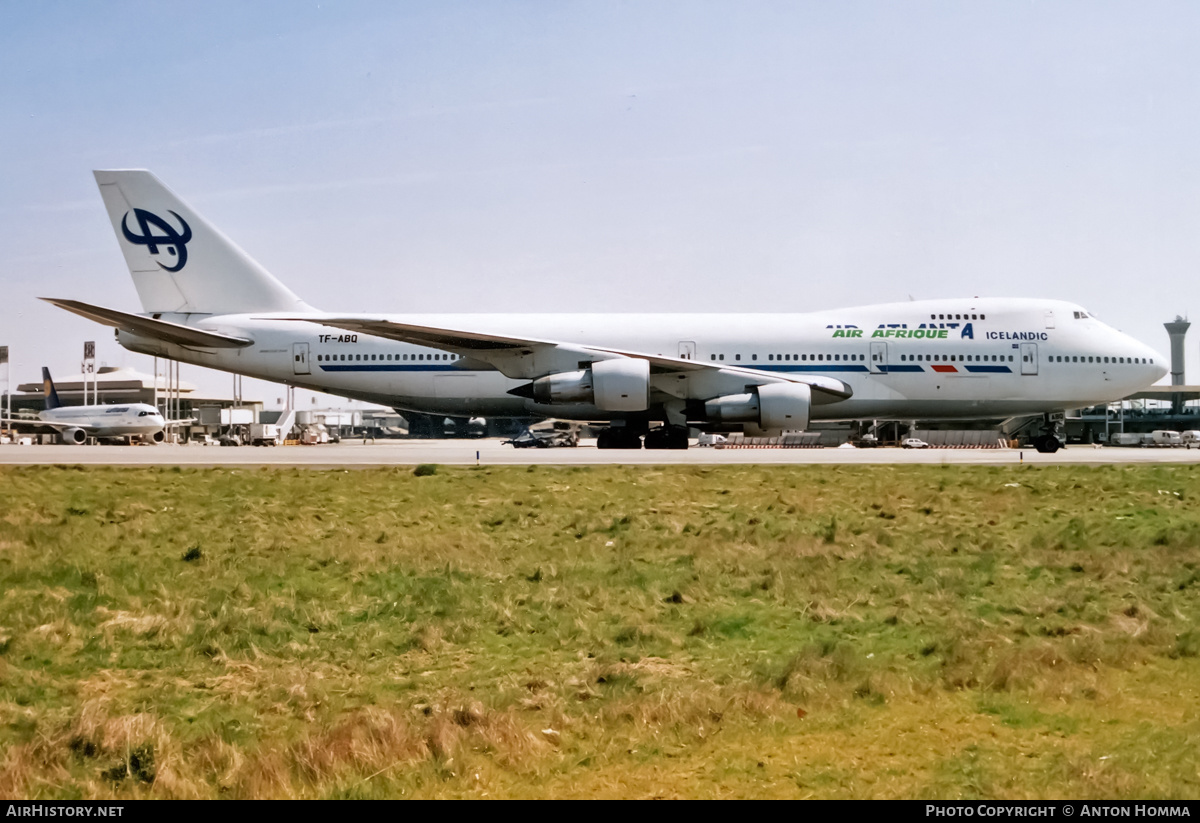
356 454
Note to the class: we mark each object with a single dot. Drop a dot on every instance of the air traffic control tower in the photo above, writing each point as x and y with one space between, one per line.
1177 330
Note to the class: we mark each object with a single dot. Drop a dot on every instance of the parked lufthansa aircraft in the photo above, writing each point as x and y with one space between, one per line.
75 424
651 376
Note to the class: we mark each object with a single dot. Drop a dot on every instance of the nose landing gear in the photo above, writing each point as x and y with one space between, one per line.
1048 442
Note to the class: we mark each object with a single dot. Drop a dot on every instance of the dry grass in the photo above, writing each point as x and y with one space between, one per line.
609 632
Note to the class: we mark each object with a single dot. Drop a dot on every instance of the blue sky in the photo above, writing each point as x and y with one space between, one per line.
607 156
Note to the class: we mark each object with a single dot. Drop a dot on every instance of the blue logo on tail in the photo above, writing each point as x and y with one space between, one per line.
174 242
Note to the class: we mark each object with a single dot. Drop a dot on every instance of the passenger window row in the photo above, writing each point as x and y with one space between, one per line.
956 358
1075 358
321 358
798 357
958 317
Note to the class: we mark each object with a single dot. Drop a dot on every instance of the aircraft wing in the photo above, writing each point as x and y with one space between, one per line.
149 327
530 358
22 421
169 423
58 427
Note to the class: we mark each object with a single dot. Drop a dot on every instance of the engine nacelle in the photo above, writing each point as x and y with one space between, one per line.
564 387
732 408
771 406
74 435
622 385
784 406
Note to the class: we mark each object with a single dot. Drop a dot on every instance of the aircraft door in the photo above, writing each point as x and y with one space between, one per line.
300 359
687 350
1029 358
879 358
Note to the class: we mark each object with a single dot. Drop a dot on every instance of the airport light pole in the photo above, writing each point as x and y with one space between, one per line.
7 386
89 371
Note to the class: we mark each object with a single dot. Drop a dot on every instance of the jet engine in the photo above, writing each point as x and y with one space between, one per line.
620 385
74 435
771 406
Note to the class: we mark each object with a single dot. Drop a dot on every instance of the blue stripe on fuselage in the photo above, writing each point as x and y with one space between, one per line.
385 367
801 369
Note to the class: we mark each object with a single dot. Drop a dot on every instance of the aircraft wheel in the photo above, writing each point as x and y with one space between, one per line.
629 440
619 438
678 438
1047 444
658 439
667 437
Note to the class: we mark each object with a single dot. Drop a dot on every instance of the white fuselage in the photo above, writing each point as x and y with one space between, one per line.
970 358
128 420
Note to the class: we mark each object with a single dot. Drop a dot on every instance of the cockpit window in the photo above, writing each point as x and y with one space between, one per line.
1081 315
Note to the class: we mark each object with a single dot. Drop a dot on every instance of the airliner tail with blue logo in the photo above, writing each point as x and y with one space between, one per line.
180 263
651 377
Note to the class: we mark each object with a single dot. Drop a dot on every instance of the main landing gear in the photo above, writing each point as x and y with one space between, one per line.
619 437
667 437
626 437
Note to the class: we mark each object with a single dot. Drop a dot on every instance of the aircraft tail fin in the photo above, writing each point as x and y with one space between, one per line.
179 261
51 394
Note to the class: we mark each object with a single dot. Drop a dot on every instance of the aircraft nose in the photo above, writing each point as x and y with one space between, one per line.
1158 365
1161 369
1153 366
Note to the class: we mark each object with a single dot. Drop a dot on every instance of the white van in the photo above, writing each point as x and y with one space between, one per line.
1191 438
1166 439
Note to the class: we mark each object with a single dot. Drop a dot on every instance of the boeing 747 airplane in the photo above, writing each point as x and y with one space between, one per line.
650 376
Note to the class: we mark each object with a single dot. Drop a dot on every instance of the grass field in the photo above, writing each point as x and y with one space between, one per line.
603 632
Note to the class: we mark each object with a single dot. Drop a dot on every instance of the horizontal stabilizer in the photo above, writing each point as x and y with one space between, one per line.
149 327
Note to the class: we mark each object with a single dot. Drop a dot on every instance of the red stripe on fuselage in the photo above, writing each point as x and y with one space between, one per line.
945 368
